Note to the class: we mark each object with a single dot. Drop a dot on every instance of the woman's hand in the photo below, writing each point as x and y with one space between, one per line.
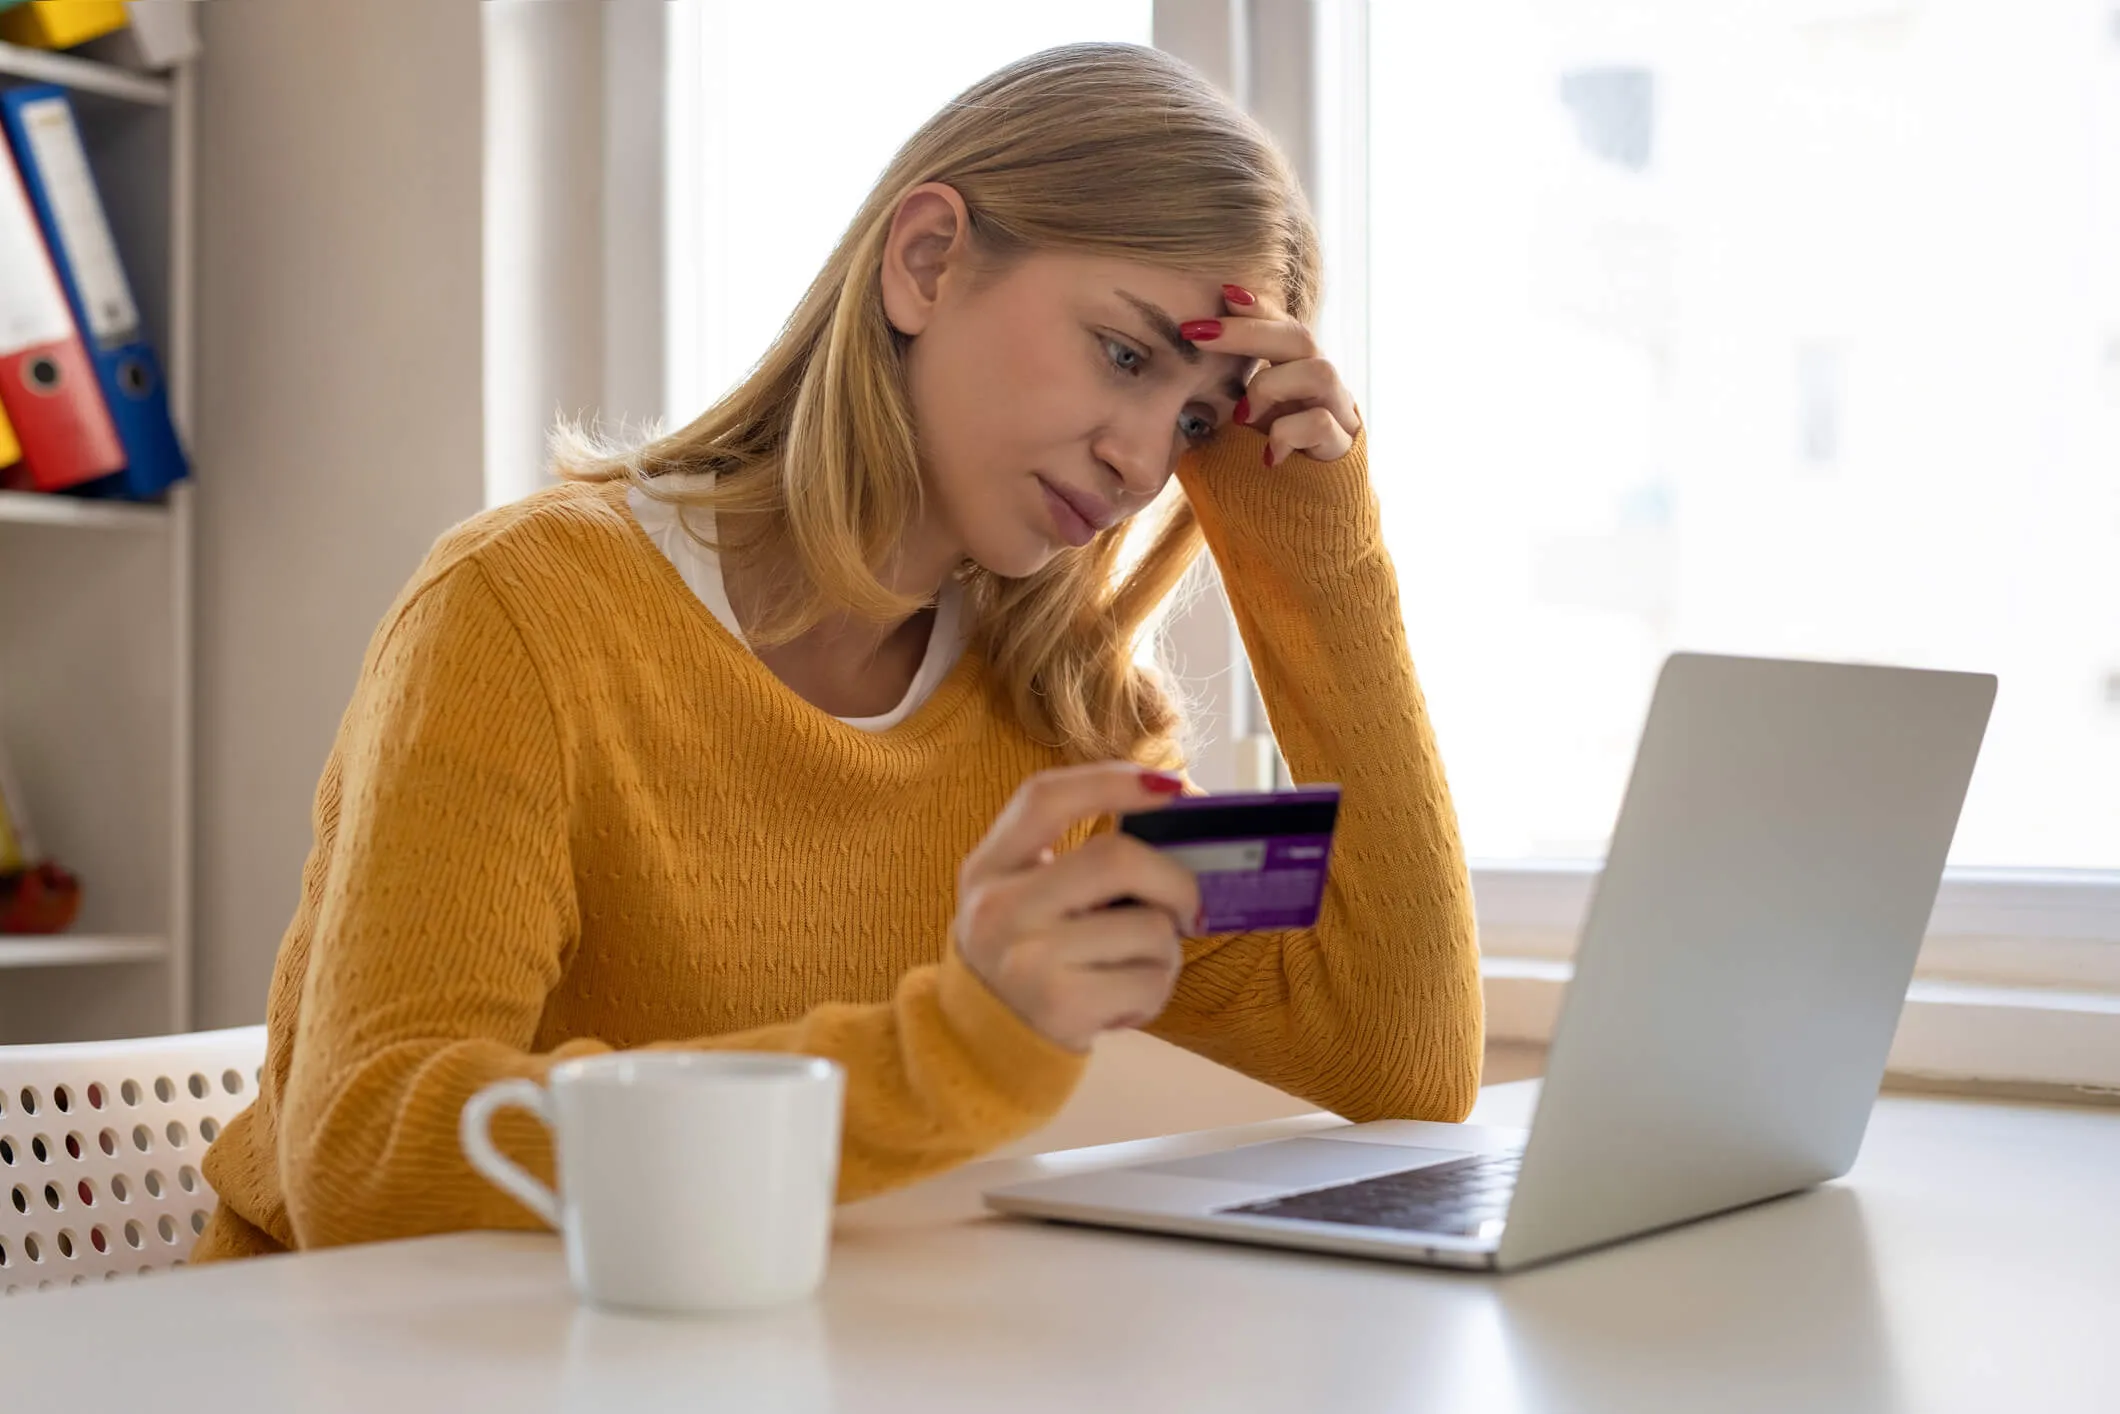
1295 396
1038 929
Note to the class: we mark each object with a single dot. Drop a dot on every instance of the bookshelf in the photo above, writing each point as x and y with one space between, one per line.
85 77
80 950
96 645
25 508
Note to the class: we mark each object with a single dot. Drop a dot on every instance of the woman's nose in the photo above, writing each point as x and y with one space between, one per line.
1141 457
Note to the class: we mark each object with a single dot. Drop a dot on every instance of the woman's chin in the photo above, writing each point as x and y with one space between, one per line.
1016 556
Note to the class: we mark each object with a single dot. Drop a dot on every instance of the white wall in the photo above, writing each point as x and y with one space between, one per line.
338 413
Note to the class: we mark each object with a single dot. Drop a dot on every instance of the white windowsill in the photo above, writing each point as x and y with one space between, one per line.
1950 1030
2018 981
2045 929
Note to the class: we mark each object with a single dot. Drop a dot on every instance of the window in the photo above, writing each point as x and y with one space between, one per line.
838 87
1788 329
1780 329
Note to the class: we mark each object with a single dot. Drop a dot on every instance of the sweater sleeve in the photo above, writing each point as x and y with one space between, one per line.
1374 1012
447 918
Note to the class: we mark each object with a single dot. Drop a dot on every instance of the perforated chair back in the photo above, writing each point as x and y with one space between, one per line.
99 1151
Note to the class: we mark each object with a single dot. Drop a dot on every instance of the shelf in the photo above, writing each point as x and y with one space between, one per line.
120 574
81 75
38 508
78 950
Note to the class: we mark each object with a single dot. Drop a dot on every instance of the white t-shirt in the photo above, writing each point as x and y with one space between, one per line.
700 568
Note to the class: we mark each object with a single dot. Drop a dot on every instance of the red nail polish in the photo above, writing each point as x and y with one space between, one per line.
1162 782
1237 294
1242 411
1269 454
1199 331
1199 920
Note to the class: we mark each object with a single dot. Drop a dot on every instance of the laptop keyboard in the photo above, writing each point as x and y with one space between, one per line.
1463 1198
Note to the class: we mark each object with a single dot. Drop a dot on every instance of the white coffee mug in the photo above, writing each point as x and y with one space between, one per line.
688 1180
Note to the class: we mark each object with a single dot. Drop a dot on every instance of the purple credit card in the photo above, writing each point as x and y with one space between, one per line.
1260 856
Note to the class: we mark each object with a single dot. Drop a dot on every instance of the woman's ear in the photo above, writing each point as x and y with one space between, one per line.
929 241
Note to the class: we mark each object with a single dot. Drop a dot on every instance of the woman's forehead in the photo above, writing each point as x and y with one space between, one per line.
1198 292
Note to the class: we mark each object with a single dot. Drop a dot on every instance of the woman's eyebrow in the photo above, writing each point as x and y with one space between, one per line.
1166 329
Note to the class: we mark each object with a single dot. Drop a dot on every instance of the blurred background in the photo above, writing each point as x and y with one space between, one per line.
1764 326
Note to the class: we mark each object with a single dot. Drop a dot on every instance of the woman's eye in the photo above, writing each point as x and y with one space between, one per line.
1124 357
1195 427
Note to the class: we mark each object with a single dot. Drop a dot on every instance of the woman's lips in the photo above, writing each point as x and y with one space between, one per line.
1069 523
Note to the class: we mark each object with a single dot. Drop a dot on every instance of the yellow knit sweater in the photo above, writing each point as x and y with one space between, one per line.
567 812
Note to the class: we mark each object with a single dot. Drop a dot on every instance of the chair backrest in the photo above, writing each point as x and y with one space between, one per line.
100 1145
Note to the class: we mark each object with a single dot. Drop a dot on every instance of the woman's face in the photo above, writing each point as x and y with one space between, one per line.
1052 398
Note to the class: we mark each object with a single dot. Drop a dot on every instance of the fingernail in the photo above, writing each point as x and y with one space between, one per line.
1242 411
1162 782
1200 920
1199 331
1269 454
1237 294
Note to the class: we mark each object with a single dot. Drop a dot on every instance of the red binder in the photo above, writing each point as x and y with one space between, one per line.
47 384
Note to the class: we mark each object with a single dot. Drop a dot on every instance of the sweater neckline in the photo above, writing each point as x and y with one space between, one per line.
943 703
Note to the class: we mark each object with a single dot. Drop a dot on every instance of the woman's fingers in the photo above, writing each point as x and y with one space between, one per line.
1295 383
1117 940
1314 432
1253 336
1090 974
1108 970
1109 869
1049 804
1034 926
1291 387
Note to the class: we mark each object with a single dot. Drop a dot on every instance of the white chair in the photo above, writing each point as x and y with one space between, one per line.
100 1144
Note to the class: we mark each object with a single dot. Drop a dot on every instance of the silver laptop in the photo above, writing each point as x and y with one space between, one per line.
1736 989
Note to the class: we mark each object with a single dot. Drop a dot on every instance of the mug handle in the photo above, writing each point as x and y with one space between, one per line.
503 1172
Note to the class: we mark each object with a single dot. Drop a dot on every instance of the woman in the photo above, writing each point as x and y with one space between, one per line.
800 728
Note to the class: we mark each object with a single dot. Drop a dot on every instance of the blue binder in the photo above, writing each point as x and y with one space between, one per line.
54 165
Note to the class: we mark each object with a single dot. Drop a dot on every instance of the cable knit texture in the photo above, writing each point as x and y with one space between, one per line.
567 812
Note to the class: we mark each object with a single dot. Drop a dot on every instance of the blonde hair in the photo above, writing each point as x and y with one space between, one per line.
1103 149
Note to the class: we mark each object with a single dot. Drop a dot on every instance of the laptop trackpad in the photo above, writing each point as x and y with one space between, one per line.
1303 1163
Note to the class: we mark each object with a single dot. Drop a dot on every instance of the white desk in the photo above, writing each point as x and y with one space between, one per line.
1971 1262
